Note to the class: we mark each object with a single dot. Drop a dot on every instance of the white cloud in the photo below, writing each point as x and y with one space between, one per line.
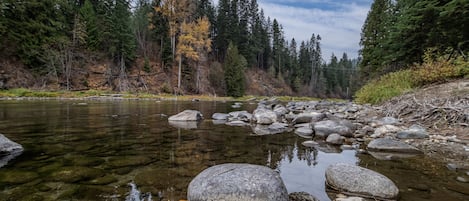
339 28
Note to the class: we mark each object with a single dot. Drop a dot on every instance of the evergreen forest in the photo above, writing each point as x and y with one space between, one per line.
195 47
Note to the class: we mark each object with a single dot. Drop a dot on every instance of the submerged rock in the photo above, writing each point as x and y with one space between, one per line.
356 180
7 146
184 124
74 174
187 115
237 182
390 145
17 176
274 128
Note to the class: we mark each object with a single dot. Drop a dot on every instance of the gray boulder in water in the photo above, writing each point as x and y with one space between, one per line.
325 128
8 150
7 146
264 116
237 182
187 115
390 145
352 179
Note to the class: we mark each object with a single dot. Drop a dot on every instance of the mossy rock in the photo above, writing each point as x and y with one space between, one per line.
83 161
107 179
32 197
17 176
50 167
122 171
43 187
20 193
75 174
86 192
125 161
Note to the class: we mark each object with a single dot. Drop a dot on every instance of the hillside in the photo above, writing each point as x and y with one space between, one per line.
94 75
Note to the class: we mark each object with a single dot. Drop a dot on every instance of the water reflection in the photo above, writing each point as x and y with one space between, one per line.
92 151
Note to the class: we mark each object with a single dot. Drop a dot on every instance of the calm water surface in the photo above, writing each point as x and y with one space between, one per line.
92 150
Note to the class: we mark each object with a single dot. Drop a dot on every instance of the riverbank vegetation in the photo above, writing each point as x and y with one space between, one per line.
409 44
163 46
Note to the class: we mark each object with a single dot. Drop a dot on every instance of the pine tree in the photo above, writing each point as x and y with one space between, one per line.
122 42
234 72
88 15
373 37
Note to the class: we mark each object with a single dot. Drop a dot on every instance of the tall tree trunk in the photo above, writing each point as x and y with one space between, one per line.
179 73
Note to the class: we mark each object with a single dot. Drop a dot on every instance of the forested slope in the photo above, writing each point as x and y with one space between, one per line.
171 46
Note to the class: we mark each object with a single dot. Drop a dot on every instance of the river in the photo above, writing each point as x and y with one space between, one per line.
93 150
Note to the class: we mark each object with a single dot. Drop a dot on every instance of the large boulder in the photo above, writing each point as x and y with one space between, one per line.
325 128
355 180
237 182
220 116
240 116
308 117
264 116
7 146
8 150
390 145
414 132
187 115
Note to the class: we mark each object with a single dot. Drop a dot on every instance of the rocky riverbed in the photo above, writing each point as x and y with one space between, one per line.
351 126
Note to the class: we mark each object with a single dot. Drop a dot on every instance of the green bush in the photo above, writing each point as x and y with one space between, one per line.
386 87
434 69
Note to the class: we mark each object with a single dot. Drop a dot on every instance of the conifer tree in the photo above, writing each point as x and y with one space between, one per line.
234 72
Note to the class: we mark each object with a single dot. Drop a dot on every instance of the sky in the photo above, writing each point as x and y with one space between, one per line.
338 22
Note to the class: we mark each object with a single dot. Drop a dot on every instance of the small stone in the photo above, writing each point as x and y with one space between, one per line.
310 143
304 131
462 179
346 147
350 199
452 166
301 196
335 139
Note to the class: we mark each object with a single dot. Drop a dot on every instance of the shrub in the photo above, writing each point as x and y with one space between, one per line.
386 87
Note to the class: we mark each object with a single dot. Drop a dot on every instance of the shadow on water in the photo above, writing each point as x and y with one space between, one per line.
93 150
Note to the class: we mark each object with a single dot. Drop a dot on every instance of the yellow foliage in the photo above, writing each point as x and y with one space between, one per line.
194 39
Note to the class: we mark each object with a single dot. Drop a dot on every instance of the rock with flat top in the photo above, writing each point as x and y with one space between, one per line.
352 179
187 115
237 182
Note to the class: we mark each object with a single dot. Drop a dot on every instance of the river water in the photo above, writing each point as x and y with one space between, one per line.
93 150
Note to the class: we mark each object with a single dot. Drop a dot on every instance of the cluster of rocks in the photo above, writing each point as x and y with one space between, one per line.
322 122
247 182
